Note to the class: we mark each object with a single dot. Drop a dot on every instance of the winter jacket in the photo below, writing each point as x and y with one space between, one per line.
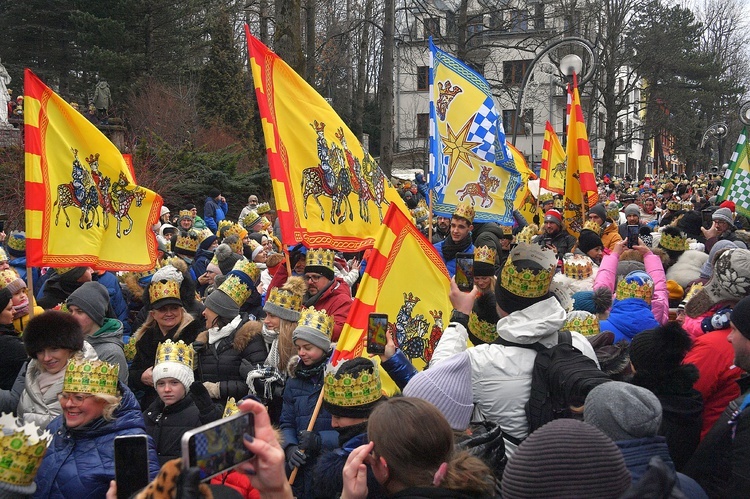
713 355
693 324
107 342
79 462
611 235
41 408
229 360
627 318
501 375
214 212
687 268
116 299
451 264
201 261
432 493
239 482
336 301
13 355
55 291
329 480
607 277
9 398
399 368
721 463
563 241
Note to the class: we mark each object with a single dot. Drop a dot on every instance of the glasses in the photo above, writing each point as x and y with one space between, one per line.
313 277
75 399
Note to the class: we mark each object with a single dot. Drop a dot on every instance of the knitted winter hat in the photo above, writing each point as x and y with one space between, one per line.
353 389
595 302
566 458
5 297
52 329
600 211
728 204
676 293
231 294
314 327
707 270
10 280
447 386
286 302
724 215
93 299
174 360
553 216
741 317
623 411
589 240
730 282
632 209
661 349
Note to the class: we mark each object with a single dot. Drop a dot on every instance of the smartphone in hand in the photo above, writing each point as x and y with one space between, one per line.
633 233
218 446
465 272
131 464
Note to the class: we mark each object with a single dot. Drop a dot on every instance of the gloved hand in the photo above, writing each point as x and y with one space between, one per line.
213 389
310 442
295 458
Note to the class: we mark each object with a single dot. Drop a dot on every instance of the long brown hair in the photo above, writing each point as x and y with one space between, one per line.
415 439
286 346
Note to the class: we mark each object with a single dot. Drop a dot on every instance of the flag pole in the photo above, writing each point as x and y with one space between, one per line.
30 290
429 218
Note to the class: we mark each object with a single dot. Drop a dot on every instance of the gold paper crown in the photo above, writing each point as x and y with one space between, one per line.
546 197
483 330
186 213
204 234
593 226
17 241
525 282
585 323
285 299
187 241
250 219
223 225
674 243
230 409
613 213
687 205
177 352
674 205
7 277
63 270
634 290
464 210
130 349
262 208
578 268
316 319
527 234
21 450
253 244
158 290
265 224
236 229
507 230
559 203
348 391
484 254
91 377
320 258
240 281
3 255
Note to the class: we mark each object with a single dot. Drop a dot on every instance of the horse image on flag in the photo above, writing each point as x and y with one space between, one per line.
413 334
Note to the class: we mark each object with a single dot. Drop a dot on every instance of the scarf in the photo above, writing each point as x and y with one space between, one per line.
450 248
215 334
271 338
312 300
349 432
21 309
304 372
45 380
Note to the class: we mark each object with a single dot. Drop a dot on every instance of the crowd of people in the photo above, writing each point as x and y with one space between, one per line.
650 297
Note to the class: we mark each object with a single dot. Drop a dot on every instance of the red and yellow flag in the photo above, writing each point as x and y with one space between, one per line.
525 201
329 191
552 174
581 192
406 279
83 207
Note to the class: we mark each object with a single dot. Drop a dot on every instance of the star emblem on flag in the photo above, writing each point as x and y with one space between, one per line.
457 148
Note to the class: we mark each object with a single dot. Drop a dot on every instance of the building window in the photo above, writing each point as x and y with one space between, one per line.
513 72
519 20
423 78
432 27
423 125
475 34
510 121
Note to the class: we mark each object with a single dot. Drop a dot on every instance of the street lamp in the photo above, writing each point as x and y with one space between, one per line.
716 130
745 113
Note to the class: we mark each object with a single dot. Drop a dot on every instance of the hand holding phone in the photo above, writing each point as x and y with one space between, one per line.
131 464
377 326
633 232
218 446
465 272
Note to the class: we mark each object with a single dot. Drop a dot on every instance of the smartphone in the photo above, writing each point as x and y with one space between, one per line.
377 325
218 446
707 219
633 235
131 464
465 271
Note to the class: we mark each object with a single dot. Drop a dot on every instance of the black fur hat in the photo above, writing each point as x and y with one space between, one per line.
52 329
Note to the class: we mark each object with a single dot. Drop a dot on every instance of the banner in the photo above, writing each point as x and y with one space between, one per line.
525 201
406 279
329 192
469 159
581 192
83 207
552 174
736 184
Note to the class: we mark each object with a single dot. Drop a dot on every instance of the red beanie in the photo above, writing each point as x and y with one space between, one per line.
553 216
728 204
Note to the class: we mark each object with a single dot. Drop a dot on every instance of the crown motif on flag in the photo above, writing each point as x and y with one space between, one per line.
339 134
578 267
593 227
632 289
230 409
262 208
485 331
91 377
320 258
411 299
187 241
92 158
674 206
240 281
165 288
582 322
527 234
284 299
318 126
546 197
177 352
349 391
316 319
525 282
485 254
186 213
22 448
559 204
674 243
464 210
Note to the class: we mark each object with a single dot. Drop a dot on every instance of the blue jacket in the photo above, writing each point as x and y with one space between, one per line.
399 368
451 264
629 317
119 306
80 463
198 268
214 212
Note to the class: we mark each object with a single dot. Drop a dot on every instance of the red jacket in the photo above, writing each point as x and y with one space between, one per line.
336 301
239 482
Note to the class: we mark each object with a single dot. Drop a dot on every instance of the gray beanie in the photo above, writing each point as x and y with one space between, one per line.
623 411
724 215
93 299
313 336
632 209
221 304
447 386
600 211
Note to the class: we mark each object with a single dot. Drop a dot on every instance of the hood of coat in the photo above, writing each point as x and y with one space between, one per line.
110 332
536 323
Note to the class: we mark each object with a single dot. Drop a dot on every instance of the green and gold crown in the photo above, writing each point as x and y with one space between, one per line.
525 282
262 208
464 210
559 204
320 258
187 241
582 322
485 331
613 213
83 376
593 227
674 206
485 254
632 289
546 197
130 349
230 409
251 219
165 288
285 299
177 352
22 448
349 391
578 267
527 234
674 243
240 281
316 319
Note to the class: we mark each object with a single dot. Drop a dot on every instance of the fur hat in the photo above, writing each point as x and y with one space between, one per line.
730 281
93 299
623 411
52 329
660 349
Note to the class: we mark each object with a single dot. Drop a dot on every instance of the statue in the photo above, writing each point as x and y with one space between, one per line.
102 100
4 97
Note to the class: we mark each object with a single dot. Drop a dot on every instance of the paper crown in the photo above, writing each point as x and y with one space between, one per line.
240 281
63 270
578 267
91 377
187 242
582 322
485 254
129 348
613 213
688 205
485 331
17 241
164 288
204 234
222 226
525 282
507 230
186 213
177 352
251 219
236 229
316 319
464 210
546 197
674 206
265 224
8 277
22 448
3 255
527 234
284 299
320 258
349 391
632 289
559 203
674 243
230 409
593 227
262 208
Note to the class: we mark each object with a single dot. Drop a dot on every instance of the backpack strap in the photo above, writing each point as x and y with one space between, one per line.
564 337
536 346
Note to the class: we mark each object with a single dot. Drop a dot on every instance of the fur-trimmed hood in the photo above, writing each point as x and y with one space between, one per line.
242 336
687 268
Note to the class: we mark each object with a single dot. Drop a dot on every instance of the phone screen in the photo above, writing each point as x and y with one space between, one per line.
377 325
465 271
131 464
707 218
633 231
218 446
